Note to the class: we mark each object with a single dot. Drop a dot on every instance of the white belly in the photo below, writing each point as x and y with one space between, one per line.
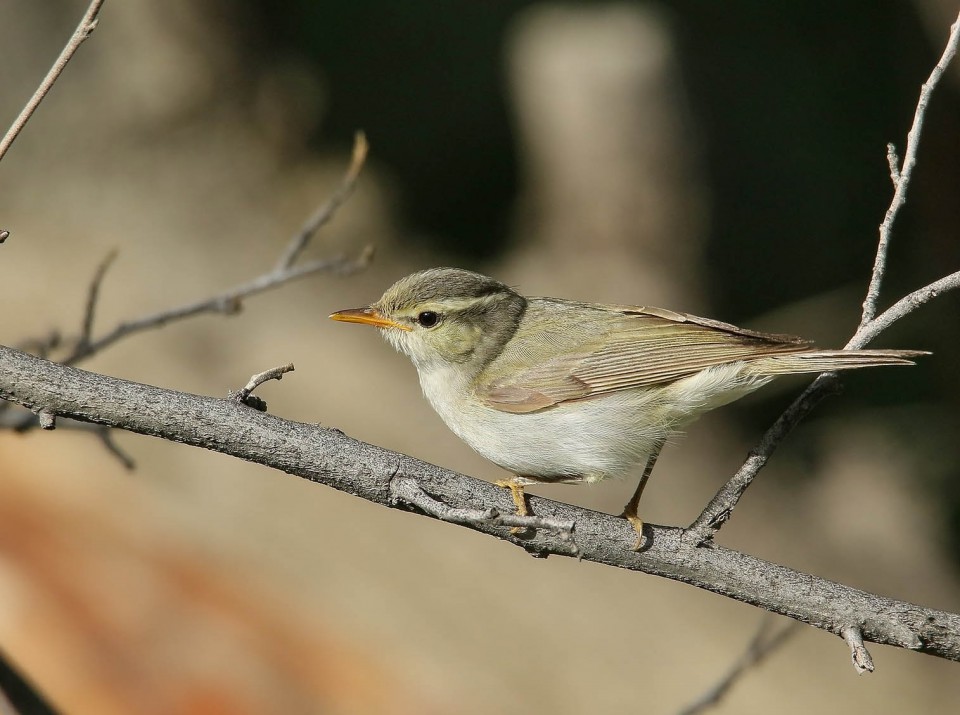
586 440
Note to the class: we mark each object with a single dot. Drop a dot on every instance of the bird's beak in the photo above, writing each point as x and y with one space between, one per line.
367 316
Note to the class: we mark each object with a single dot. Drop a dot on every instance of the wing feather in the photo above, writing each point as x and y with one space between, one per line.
605 349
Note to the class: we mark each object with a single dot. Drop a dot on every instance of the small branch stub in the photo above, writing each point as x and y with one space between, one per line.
244 395
47 419
858 651
4 235
893 159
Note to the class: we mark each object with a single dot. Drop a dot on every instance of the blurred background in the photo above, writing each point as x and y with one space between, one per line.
721 159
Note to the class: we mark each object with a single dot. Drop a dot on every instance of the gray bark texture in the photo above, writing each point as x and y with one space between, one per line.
327 456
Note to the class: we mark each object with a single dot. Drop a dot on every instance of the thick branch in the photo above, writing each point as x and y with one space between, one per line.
328 457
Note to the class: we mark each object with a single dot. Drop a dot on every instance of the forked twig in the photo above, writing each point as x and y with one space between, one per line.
901 176
726 499
230 301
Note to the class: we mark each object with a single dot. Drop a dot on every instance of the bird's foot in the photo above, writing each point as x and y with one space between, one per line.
519 500
637 523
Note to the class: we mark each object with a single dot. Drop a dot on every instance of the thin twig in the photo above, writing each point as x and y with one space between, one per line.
23 420
92 298
409 491
761 646
106 437
903 176
901 308
87 25
326 211
244 394
858 651
228 302
41 347
718 511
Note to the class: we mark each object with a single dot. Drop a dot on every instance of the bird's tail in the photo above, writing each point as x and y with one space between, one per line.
830 360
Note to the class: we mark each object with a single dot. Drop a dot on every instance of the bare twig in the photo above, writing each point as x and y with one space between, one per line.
106 437
901 308
228 302
903 176
405 489
326 211
92 297
42 346
758 649
87 25
858 652
244 394
22 420
720 507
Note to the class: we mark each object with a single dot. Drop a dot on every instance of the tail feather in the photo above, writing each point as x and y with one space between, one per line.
830 360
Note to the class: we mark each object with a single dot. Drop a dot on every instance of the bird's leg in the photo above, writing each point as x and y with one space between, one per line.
630 510
519 499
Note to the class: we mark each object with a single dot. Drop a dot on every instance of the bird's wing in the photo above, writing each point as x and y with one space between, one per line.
604 349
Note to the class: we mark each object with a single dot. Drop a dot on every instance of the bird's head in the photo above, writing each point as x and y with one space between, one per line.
444 316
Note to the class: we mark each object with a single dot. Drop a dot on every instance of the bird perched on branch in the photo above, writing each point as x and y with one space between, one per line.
557 390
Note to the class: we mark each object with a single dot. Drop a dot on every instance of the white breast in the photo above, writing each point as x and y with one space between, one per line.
586 440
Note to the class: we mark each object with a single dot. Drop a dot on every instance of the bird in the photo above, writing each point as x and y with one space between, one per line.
563 391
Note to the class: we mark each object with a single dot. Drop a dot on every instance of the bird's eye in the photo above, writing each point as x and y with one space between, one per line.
428 319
